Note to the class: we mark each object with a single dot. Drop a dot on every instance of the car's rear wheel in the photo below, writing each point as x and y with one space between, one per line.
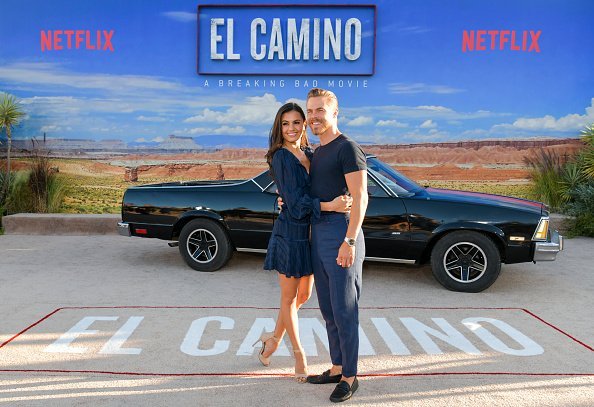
465 261
204 245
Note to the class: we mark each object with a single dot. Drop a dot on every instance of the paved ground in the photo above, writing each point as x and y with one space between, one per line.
128 323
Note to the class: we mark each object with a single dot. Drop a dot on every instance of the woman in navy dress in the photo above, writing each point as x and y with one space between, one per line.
288 253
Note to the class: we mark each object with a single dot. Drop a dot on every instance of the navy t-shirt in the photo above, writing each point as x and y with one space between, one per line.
330 163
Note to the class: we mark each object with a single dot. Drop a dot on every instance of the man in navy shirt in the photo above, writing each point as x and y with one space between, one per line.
338 166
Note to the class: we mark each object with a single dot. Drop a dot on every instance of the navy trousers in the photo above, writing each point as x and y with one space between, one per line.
338 288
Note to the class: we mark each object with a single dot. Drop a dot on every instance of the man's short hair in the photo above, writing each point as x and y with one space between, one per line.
315 92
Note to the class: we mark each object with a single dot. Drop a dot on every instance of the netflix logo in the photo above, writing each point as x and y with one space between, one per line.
490 40
57 40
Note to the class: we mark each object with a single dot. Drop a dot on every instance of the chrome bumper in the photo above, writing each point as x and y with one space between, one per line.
124 229
547 251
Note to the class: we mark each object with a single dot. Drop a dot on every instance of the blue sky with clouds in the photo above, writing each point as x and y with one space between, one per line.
424 88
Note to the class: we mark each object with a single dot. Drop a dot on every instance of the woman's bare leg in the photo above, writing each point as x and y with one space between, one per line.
288 312
304 290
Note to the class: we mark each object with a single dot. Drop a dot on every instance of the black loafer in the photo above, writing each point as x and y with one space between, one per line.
324 378
343 391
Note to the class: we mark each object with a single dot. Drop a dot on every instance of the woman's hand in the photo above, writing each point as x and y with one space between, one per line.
341 203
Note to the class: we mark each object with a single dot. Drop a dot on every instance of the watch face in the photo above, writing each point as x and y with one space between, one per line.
351 242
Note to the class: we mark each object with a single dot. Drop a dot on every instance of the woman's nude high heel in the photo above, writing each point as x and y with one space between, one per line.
301 377
263 338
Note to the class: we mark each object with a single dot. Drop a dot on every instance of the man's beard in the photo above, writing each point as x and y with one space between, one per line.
320 129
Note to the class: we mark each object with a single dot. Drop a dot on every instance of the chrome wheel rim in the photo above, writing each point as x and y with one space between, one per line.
465 262
202 246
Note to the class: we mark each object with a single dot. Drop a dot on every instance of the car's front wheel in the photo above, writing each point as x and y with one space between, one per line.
204 245
465 261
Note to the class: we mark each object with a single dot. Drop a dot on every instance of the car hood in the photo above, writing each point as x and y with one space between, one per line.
485 199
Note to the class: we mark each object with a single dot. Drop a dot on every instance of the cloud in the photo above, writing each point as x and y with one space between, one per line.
479 133
415 136
181 16
252 110
403 28
50 128
428 124
49 74
300 102
154 119
195 130
127 93
415 29
207 115
569 122
431 136
360 121
391 123
88 102
423 112
158 139
572 122
140 140
372 138
229 131
413 88
72 108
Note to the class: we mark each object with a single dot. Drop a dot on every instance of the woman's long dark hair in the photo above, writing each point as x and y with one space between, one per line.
275 140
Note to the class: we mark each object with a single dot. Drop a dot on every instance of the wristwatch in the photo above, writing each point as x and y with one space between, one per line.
349 241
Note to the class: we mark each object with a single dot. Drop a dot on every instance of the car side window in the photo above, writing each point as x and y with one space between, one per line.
373 189
271 189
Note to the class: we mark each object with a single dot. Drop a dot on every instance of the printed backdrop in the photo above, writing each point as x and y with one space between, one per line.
441 70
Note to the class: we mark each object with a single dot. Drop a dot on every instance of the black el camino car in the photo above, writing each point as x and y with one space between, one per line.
465 235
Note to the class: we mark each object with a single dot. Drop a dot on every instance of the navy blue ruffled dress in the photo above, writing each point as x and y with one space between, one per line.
289 248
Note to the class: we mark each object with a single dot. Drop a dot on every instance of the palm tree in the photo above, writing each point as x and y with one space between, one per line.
10 115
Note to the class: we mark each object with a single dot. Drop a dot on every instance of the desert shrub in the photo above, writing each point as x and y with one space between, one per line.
587 154
566 184
18 198
3 199
56 189
46 187
580 204
581 208
547 170
572 176
38 189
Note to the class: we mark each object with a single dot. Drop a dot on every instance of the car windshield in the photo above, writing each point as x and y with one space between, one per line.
391 178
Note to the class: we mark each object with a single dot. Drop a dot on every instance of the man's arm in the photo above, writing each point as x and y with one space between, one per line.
341 203
357 185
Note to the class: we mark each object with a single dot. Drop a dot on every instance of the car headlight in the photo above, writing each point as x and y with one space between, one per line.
542 230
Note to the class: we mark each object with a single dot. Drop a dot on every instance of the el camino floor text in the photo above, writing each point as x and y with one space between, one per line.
207 340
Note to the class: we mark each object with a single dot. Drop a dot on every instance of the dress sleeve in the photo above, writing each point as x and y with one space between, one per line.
292 187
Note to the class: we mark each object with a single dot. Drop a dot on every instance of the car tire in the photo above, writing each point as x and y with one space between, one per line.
465 261
204 245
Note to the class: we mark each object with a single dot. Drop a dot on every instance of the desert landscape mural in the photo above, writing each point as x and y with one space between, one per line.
96 183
